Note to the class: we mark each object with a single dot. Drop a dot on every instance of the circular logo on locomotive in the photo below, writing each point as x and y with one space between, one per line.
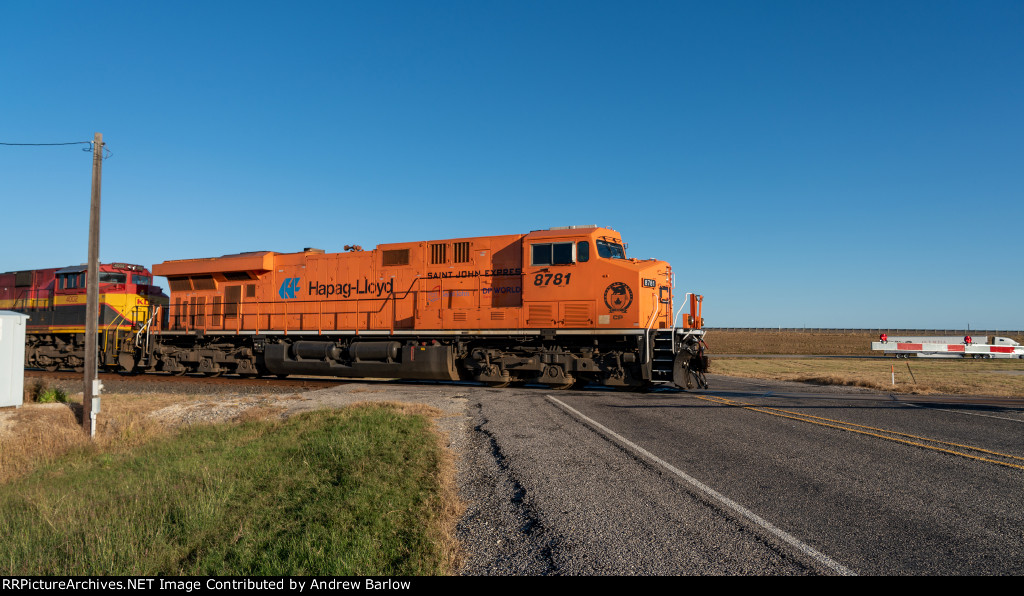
618 297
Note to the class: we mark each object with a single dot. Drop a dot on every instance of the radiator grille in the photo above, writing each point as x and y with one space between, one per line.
539 314
578 315
438 254
461 252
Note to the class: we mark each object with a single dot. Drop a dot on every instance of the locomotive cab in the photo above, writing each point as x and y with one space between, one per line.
127 294
581 278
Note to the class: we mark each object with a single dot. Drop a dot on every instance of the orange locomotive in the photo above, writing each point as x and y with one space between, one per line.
560 307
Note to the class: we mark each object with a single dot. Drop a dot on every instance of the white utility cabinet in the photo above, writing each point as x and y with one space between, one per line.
12 358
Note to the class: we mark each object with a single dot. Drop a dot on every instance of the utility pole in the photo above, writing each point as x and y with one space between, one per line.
92 296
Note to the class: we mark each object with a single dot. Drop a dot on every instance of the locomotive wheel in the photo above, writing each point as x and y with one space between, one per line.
51 367
499 384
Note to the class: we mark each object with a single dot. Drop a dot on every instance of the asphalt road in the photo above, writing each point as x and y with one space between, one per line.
751 477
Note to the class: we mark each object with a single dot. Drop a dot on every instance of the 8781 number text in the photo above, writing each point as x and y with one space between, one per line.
551 279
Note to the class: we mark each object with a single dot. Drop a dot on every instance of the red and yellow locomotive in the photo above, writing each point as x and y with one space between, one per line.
562 306
54 300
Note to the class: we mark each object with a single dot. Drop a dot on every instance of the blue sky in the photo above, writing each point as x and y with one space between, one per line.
800 163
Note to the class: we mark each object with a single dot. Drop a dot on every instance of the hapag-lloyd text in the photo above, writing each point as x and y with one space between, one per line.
363 287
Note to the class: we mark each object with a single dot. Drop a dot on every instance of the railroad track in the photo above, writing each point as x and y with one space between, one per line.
117 381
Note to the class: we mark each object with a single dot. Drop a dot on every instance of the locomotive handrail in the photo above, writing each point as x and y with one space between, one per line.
680 311
145 328
106 332
648 352
654 316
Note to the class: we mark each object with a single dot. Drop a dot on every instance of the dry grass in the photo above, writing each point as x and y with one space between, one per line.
998 377
790 342
38 433
1001 378
35 434
797 342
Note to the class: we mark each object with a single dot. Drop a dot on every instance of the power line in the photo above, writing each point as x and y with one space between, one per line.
107 152
45 144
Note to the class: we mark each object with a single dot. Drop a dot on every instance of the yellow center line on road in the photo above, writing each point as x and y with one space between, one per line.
853 428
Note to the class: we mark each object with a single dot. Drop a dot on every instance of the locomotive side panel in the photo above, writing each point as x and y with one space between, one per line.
562 279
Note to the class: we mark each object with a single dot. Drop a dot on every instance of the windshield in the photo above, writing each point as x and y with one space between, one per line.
112 278
610 250
142 280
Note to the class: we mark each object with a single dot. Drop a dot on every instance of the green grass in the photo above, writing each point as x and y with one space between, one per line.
39 391
52 395
349 492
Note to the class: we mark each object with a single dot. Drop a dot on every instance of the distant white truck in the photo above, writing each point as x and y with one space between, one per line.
948 347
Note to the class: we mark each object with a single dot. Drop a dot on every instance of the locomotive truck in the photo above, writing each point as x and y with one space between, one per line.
560 307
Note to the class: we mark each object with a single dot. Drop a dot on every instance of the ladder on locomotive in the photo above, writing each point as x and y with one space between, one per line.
141 321
663 355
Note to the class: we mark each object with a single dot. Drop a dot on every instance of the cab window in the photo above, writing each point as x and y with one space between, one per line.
551 253
610 250
112 278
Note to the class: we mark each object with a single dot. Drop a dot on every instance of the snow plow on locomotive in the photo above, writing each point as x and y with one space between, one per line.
560 307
